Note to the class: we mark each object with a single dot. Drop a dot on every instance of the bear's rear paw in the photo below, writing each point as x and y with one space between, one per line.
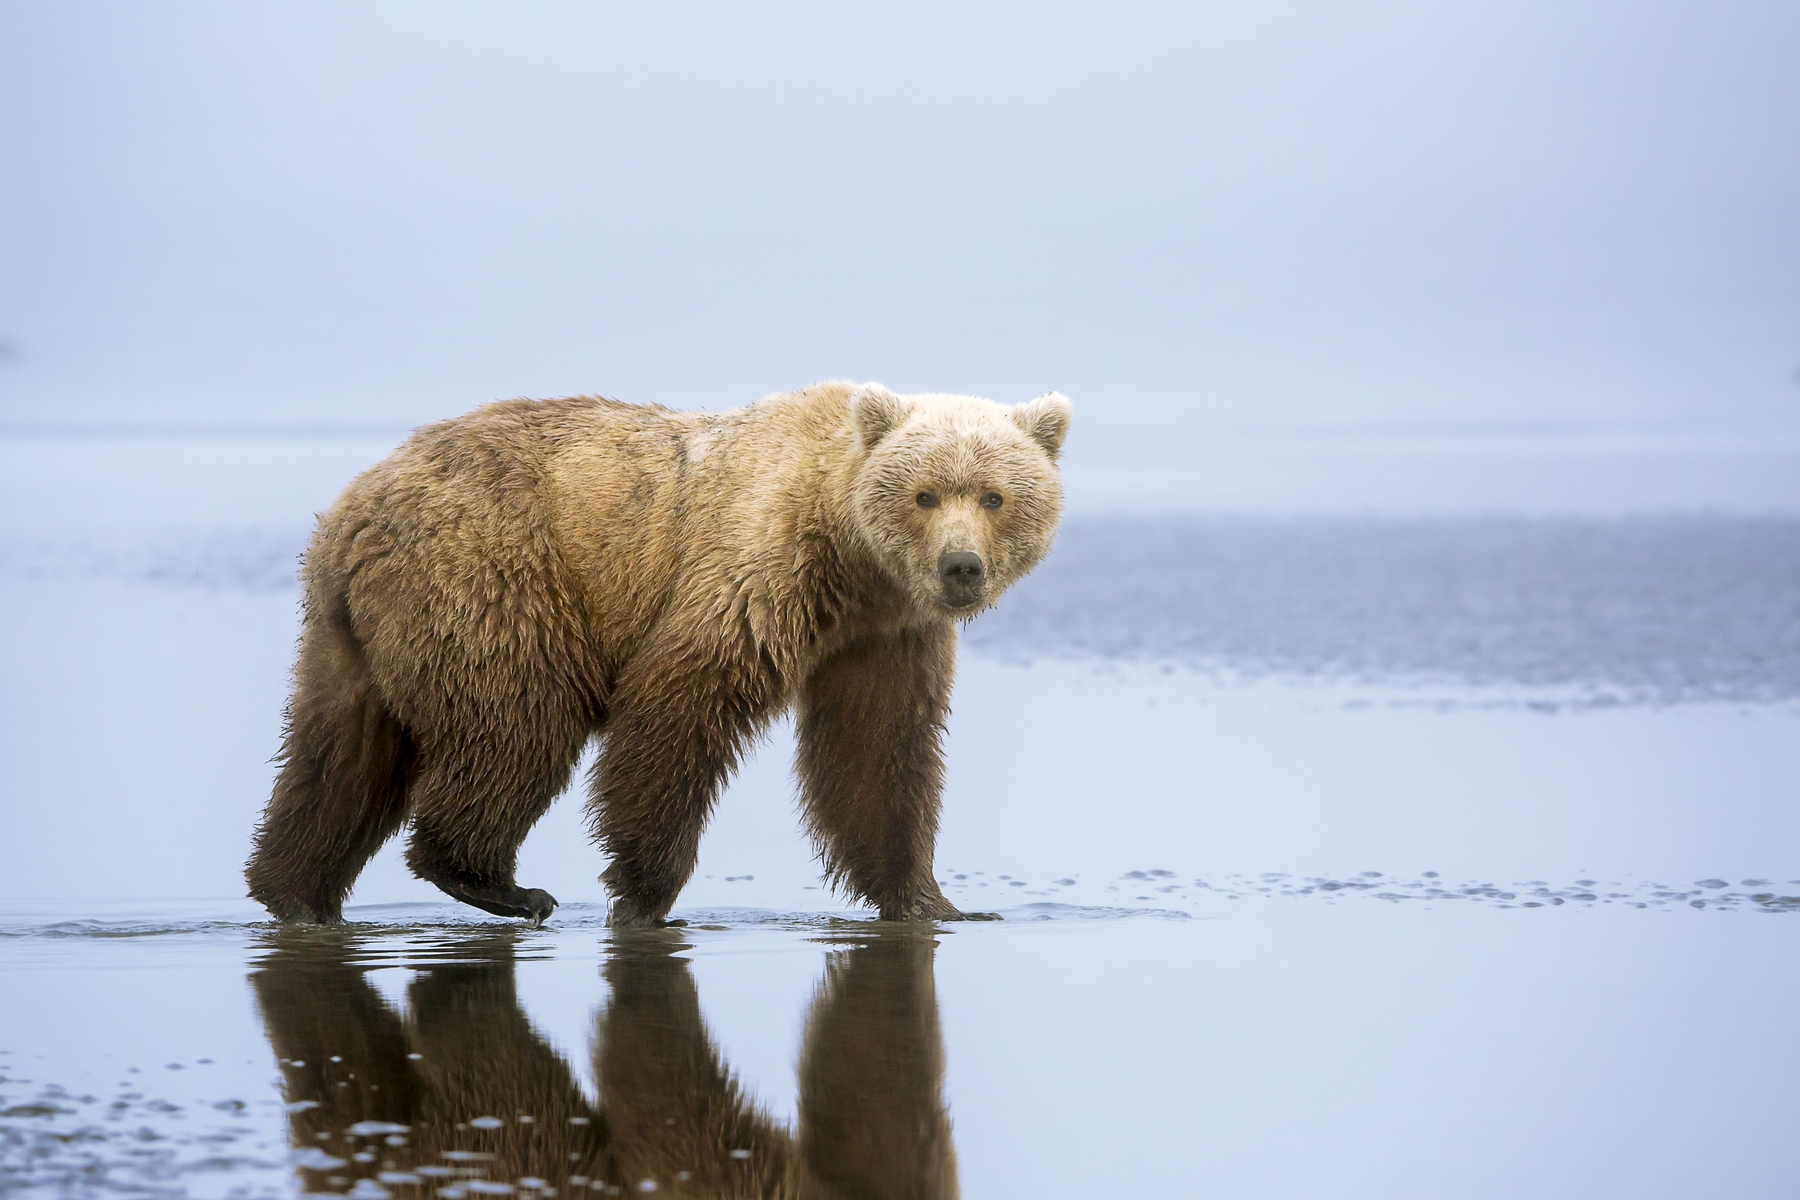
307 916
538 905
969 916
295 912
503 899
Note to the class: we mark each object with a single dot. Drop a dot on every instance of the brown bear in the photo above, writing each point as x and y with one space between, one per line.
507 585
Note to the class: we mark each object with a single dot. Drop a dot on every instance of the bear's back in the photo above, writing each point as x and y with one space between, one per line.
449 555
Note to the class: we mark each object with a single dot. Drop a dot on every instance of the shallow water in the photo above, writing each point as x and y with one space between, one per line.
1283 1045
1338 857
1654 609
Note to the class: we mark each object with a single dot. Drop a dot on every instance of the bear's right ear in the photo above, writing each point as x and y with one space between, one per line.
877 412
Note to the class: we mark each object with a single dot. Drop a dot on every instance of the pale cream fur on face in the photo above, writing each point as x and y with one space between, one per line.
958 450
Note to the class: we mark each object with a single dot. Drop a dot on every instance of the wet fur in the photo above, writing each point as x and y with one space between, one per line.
510 584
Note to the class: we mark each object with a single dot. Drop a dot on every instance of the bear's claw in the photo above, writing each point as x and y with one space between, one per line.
539 904
935 908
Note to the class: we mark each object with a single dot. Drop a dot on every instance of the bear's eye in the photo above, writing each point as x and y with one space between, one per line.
991 500
926 500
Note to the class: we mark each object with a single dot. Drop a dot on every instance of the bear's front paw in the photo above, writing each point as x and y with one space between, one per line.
629 914
935 908
970 916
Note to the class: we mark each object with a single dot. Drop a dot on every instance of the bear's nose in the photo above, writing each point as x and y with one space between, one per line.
961 572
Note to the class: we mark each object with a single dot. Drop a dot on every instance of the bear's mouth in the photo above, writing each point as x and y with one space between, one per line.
960 599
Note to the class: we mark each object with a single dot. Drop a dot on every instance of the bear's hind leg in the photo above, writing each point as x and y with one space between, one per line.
471 810
342 788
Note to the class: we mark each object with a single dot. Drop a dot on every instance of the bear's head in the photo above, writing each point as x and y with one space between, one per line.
958 497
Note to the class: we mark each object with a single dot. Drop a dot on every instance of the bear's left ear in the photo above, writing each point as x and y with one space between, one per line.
877 412
1045 421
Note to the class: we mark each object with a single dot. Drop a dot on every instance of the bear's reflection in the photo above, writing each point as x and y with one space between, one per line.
872 1120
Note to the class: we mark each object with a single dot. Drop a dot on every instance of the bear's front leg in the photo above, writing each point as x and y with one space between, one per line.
871 768
678 725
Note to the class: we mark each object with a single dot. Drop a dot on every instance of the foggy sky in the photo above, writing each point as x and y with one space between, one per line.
1202 216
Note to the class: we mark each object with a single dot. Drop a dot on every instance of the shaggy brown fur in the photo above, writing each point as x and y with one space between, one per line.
873 1121
507 585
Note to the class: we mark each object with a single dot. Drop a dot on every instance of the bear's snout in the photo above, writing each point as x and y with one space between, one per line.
961 573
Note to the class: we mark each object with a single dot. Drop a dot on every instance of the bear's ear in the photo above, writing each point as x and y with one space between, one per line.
1045 421
877 413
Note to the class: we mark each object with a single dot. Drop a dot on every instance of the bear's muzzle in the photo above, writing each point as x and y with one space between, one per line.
961 574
